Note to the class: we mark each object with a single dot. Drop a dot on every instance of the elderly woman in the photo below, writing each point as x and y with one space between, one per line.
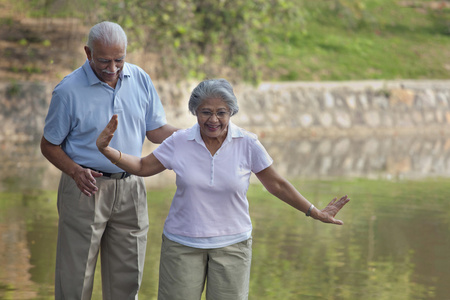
207 233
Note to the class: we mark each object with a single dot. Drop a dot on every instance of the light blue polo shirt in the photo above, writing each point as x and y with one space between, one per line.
82 106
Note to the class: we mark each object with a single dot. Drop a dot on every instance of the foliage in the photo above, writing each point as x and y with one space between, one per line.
195 37
276 39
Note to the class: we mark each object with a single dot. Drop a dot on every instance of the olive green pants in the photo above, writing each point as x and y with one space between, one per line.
113 222
184 270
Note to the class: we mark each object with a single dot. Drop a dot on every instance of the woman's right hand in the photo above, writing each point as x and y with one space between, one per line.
107 134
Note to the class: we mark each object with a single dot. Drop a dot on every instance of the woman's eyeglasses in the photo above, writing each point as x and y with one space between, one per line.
206 114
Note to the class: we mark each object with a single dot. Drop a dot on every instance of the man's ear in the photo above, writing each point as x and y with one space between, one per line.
88 53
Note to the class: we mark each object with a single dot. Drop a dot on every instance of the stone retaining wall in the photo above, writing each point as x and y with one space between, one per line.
274 109
348 108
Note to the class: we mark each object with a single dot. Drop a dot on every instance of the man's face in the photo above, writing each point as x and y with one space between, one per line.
106 61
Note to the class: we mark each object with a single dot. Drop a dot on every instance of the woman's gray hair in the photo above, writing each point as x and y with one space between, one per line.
109 33
213 89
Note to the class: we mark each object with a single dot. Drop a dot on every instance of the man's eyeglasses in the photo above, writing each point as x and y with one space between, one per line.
206 114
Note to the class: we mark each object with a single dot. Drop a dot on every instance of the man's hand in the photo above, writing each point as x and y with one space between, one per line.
85 180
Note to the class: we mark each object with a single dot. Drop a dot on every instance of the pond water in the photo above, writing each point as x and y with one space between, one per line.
394 244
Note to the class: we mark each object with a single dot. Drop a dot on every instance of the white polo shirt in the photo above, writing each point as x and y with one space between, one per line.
211 200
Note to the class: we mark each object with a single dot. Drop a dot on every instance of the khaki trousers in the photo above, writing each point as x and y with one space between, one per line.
114 221
184 270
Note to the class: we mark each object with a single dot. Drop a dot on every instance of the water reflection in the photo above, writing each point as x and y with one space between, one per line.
369 157
394 244
373 157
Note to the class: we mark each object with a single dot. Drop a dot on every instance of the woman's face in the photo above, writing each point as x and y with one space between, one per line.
213 116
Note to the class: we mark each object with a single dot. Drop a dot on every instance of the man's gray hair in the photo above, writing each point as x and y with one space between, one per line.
108 33
212 89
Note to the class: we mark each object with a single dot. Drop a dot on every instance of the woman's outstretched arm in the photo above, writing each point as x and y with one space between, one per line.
285 191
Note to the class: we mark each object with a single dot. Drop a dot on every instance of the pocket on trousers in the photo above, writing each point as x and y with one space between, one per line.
69 195
246 247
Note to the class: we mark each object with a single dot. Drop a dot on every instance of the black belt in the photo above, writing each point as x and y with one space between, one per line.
120 175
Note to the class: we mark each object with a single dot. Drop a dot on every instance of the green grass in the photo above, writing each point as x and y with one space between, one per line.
382 40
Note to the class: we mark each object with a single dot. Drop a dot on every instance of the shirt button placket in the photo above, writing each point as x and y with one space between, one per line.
212 171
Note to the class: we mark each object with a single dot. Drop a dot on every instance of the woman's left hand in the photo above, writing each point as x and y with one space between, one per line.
107 134
327 214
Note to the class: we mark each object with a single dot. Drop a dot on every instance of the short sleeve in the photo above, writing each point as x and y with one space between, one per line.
165 152
156 116
57 122
260 159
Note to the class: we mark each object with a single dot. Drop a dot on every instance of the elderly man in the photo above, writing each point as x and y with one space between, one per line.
101 207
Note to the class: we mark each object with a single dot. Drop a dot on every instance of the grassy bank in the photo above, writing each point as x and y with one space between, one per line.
378 39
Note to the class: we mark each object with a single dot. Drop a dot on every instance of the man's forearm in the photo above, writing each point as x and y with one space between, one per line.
158 135
55 155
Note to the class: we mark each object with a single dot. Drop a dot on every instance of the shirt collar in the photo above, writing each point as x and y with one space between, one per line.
93 79
233 132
